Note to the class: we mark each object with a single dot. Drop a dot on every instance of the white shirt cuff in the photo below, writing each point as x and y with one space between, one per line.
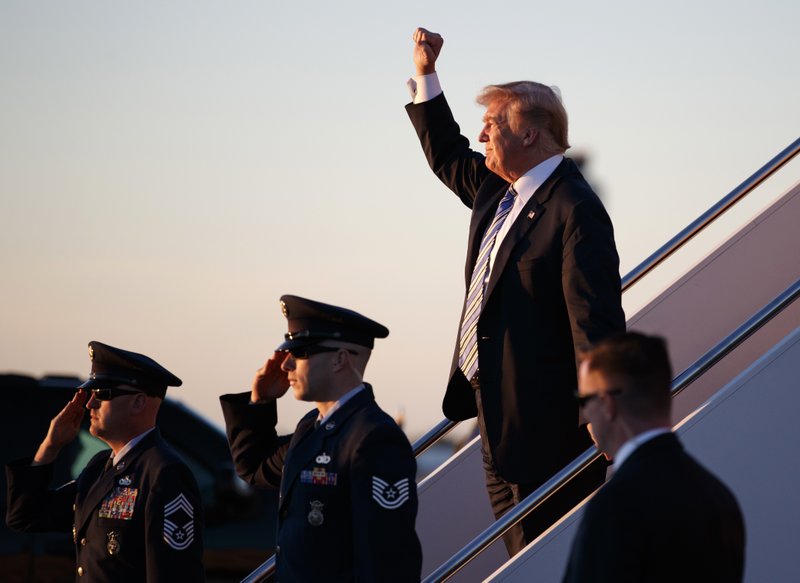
424 87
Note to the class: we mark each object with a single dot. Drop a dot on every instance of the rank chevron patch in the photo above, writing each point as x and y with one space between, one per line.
389 496
179 523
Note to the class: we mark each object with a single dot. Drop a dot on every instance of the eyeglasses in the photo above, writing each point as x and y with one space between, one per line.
583 399
112 393
303 352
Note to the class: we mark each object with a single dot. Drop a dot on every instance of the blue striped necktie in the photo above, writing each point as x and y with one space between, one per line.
468 340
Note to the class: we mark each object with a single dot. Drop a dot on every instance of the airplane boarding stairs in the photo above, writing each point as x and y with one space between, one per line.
697 311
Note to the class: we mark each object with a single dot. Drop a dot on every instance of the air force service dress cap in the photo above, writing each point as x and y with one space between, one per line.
312 322
113 367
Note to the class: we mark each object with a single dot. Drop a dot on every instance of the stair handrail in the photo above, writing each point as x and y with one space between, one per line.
716 210
687 377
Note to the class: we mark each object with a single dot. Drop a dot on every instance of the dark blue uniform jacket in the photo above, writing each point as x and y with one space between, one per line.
348 496
138 521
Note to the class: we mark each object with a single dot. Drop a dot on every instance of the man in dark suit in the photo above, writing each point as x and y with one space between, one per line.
542 279
662 516
135 512
348 496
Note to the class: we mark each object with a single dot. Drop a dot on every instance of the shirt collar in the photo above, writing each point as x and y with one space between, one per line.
634 442
338 404
530 182
130 445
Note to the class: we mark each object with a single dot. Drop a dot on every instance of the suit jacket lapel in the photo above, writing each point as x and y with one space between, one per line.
525 221
305 443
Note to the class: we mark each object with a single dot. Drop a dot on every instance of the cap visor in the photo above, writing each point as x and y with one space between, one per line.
93 384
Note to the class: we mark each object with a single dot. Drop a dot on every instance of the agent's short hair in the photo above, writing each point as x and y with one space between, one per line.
640 365
535 104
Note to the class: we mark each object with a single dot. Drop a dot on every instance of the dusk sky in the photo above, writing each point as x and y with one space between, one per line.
169 169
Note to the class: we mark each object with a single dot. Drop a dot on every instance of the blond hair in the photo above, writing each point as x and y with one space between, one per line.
533 104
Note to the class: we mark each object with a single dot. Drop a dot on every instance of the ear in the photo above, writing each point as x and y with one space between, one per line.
340 360
610 410
529 137
139 403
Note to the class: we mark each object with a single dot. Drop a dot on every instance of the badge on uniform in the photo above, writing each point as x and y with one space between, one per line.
389 496
179 523
119 503
315 517
113 543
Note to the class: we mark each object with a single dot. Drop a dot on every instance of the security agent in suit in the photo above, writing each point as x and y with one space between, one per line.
662 516
346 476
134 512
549 280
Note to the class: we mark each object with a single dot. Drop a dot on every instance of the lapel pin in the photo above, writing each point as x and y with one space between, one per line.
330 425
531 214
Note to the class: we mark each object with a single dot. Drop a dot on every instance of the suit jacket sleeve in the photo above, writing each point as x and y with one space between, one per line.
384 506
257 450
174 531
448 153
590 275
32 507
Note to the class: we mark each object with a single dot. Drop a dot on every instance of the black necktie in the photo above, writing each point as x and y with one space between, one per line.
109 463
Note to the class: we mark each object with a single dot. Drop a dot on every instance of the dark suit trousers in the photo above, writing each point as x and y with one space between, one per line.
505 495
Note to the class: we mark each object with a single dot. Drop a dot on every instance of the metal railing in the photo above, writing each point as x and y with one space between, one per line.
436 433
711 214
686 378
262 573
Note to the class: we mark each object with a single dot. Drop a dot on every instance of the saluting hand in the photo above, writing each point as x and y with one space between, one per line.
427 46
271 382
63 429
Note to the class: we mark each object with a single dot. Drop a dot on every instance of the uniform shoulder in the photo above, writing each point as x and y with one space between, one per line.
164 457
372 420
